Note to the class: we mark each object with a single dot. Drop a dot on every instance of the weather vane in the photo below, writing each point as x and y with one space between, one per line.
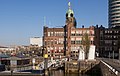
69 4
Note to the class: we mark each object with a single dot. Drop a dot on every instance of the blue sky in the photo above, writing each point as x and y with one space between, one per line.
22 19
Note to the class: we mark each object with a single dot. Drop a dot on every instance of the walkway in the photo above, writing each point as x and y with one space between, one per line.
113 65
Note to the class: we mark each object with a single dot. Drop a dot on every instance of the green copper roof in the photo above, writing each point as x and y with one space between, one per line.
70 11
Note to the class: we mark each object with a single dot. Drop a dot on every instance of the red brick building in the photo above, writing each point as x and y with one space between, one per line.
66 40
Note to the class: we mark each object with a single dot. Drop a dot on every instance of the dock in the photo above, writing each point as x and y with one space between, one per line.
79 66
19 74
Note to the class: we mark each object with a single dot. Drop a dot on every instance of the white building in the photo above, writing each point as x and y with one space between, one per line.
91 54
36 41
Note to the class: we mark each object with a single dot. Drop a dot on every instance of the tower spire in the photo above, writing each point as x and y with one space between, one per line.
69 5
70 16
70 12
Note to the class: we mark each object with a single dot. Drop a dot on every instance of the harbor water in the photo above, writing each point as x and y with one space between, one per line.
62 73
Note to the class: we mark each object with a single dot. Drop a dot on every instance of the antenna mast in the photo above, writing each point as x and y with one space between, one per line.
44 21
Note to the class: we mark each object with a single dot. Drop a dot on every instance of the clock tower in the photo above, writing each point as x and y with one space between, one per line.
70 23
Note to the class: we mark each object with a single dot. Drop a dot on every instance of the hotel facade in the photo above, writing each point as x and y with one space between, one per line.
66 41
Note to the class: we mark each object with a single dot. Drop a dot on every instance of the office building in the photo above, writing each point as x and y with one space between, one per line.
107 41
114 13
67 39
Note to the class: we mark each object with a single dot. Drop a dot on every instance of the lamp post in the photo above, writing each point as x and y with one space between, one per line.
33 61
46 64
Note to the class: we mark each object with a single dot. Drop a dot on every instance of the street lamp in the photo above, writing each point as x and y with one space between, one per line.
33 61
46 64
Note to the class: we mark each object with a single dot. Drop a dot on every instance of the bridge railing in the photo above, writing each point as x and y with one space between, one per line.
112 65
53 62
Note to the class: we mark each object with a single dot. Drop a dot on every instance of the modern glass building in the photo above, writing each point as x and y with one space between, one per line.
114 13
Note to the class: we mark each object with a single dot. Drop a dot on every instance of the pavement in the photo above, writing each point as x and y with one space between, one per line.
113 63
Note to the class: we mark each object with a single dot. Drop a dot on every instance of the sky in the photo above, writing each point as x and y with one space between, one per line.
22 19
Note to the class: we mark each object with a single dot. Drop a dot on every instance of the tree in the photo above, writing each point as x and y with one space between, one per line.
86 44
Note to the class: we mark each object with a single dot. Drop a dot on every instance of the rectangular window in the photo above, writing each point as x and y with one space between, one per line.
78 42
48 33
51 34
72 42
61 40
73 34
